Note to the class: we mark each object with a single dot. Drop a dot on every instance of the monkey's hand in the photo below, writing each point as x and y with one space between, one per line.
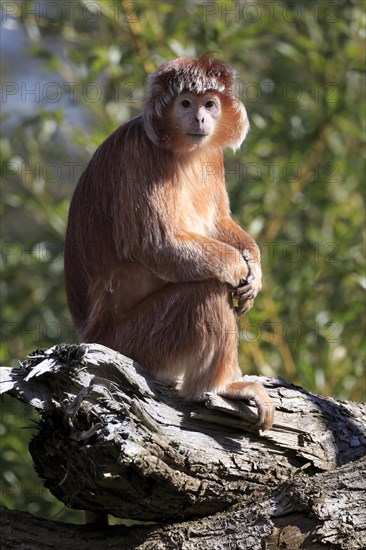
249 287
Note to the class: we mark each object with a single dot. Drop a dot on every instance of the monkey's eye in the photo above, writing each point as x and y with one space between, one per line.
210 104
186 104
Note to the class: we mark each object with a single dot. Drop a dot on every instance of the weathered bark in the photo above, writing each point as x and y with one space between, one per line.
112 440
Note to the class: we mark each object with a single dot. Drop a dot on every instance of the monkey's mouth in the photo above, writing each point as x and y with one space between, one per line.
197 136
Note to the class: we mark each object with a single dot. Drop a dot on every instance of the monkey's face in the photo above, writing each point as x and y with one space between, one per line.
195 117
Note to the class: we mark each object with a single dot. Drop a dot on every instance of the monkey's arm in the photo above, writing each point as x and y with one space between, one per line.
231 233
188 256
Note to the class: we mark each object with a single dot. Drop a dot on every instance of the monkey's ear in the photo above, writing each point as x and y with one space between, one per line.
233 126
240 125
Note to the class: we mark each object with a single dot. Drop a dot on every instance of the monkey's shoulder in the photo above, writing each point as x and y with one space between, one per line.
130 160
128 138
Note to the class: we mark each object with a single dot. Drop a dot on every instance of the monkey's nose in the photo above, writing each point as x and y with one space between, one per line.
198 119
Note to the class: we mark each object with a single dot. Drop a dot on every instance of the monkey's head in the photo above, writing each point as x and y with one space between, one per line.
192 104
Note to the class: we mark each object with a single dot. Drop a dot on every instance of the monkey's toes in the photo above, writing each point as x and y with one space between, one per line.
266 415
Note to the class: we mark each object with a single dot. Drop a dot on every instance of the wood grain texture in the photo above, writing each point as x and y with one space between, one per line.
112 440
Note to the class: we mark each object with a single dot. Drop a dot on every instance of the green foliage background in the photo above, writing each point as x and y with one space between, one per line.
296 185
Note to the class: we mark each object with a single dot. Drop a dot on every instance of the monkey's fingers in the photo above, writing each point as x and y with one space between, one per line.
245 292
237 291
243 306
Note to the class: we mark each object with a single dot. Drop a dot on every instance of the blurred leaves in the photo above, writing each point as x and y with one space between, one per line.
296 185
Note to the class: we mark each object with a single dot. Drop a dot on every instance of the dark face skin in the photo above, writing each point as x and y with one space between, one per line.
197 115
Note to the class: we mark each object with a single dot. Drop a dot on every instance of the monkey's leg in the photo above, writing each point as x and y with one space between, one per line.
189 329
221 373
174 330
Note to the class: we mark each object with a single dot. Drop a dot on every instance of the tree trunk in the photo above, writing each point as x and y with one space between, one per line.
112 440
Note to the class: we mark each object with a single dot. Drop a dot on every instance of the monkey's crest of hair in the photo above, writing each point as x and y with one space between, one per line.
192 75
196 76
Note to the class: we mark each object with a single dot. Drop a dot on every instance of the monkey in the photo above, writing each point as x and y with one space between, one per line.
155 266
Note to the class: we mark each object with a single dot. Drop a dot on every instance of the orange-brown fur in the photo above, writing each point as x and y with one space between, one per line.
152 256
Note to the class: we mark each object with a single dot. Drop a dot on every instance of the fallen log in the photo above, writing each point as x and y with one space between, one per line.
111 439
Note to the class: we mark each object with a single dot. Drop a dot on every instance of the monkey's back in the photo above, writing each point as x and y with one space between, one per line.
106 217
